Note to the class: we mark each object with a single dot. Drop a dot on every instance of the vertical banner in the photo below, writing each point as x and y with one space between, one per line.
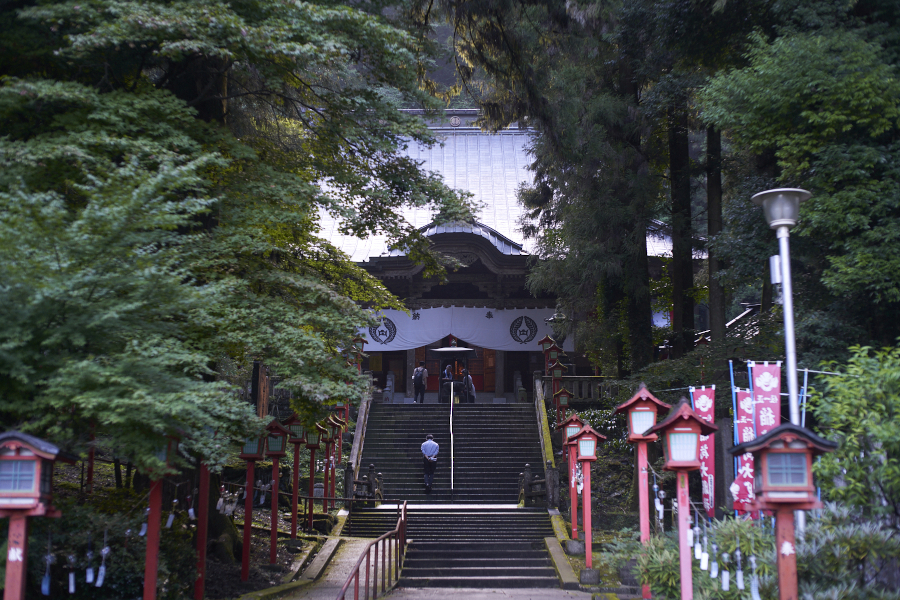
742 488
766 380
704 400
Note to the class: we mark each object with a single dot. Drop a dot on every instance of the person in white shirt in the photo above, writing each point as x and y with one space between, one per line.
430 450
469 386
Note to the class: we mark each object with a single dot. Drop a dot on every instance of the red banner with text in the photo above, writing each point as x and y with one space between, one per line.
704 405
766 396
742 487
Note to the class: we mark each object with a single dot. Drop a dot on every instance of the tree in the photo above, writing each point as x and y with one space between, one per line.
860 409
165 165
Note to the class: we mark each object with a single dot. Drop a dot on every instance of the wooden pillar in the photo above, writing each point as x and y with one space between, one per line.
202 530
643 503
327 472
312 484
586 513
273 540
573 493
787 554
295 492
684 551
248 522
17 556
151 564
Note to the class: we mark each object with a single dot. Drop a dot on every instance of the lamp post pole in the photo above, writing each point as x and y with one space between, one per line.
790 347
782 210
248 521
273 534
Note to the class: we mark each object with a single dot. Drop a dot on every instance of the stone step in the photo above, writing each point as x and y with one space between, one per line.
479 582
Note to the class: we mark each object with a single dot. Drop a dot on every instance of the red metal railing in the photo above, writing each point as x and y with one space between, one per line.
391 546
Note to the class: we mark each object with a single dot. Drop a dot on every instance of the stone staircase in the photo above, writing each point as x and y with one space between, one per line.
474 536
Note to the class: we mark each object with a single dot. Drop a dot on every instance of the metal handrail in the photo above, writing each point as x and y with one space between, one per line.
393 548
451 441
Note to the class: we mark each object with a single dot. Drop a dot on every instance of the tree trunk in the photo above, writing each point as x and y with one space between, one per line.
714 227
117 469
640 312
682 271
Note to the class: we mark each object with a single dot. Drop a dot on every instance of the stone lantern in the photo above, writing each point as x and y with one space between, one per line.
783 483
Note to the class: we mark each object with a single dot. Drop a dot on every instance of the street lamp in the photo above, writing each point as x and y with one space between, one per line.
681 432
782 209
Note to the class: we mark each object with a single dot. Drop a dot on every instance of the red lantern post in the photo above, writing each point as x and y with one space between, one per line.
297 437
202 531
312 444
570 427
251 451
681 432
642 410
584 444
557 370
276 442
26 490
337 429
783 483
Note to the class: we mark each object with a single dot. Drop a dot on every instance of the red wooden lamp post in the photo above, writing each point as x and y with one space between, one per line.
584 444
313 435
642 410
26 490
328 440
276 448
337 426
681 432
557 370
783 483
570 427
251 451
297 437
359 344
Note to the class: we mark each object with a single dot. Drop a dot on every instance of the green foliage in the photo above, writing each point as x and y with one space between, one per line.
860 409
845 555
119 521
165 168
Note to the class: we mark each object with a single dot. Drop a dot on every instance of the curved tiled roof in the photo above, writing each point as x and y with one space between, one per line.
502 243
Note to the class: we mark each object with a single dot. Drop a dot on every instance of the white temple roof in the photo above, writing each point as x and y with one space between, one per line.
489 165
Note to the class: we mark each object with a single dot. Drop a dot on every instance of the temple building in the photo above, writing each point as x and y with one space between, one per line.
485 305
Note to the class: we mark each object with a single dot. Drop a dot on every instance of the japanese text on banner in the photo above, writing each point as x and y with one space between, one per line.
742 487
766 396
704 405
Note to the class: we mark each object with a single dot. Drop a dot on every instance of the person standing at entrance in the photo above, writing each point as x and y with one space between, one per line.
420 380
430 450
446 380
469 386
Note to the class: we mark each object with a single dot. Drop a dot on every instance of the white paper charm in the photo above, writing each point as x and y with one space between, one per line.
726 581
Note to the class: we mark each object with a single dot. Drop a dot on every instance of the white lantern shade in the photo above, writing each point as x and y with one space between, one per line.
587 448
682 447
572 430
786 468
17 476
641 421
